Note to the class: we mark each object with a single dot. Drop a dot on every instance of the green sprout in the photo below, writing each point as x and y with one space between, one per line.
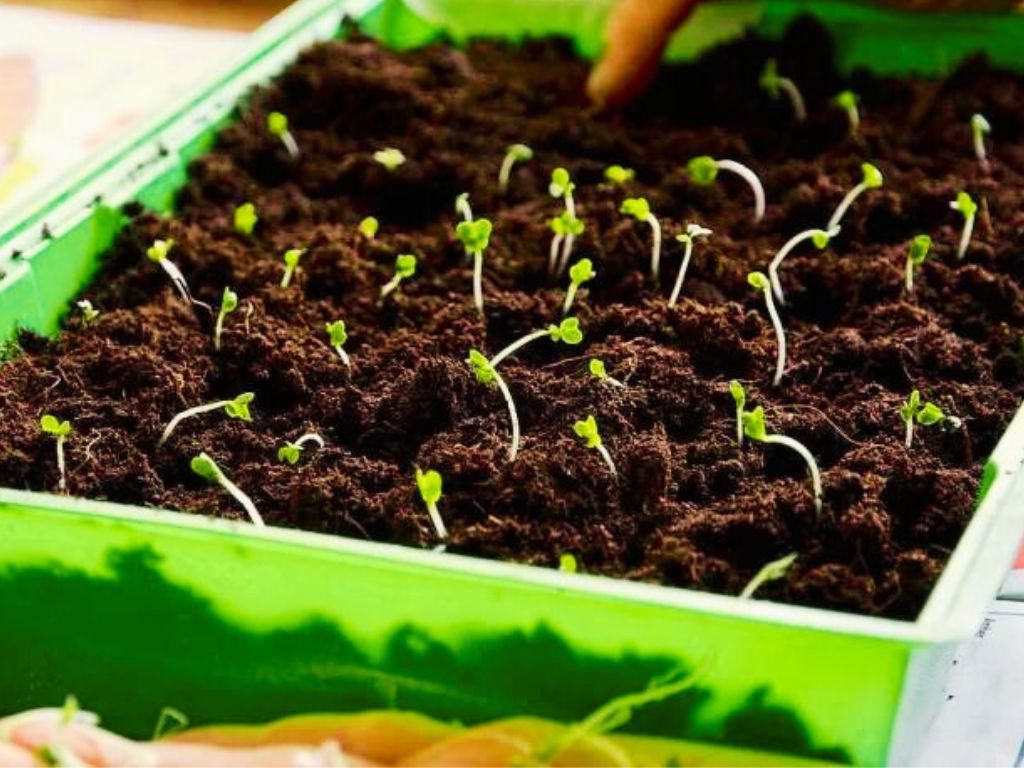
917 253
246 218
462 206
566 227
291 451
980 126
600 372
968 208
207 468
759 281
236 408
704 170
567 563
486 371
587 431
923 413
429 484
640 209
368 227
158 252
338 336
170 721
516 153
563 226
847 101
60 430
739 396
58 751
405 267
688 238
228 304
291 262
89 313
579 273
772 571
754 428
618 175
390 158
475 236
872 179
819 237
277 125
775 84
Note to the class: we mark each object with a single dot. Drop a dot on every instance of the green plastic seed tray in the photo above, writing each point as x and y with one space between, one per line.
134 609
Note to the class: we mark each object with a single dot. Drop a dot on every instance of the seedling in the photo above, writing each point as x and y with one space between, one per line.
429 485
968 208
237 408
475 237
463 208
600 372
618 175
847 101
89 313
587 431
775 84
580 272
338 336
516 153
246 219
772 571
563 226
754 428
290 452
979 128
228 304
368 227
640 209
923 413
170 721
291 261
917 254
207 468
689 237
486 371
872 179
60 430
763 284
567 563
739 396
820 239
566 227
158 252
704 170
390 158
277 125
405 267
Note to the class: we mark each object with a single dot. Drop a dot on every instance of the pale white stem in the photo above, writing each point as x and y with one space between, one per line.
812 465
687 253
910 432
63 482
513 416
965 237
795 97
478 281
853 115
515 346
218 329
189 413
505 174
289 144
979 149
608 460
390 286
845 204
570 205
556 244
793 242
179 282
286 278
241 498
566 253
739 424
463 207
343 355
570 297
780 363
435 518
751 178
909 278
655 246
309 437
613 382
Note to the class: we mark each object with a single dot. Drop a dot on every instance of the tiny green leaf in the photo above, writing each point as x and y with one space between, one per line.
703 170
965 204
292 256
598 369
693 231
520 153
429 485
582 271
769 80
980 125
637 207
567 224
368 227
246 218
205 467
616 174
475 235
872 176
51 426
159 249
910 408
759 280
738 393
239 407
567 563
405 265
89 313
588 432
820 239
337 333
289 452
481 366
568 331
390 158
846 100
753 424
918 251
930 414
561 184
228 302
277 123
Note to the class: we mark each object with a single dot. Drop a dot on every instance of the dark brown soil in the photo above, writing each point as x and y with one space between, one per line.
690 508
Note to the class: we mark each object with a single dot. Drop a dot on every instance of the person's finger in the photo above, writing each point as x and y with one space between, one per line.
636 33
13 756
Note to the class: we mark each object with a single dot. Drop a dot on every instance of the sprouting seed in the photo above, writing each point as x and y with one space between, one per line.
338 336
917 253
772 571
236 408
704 170
579 273
754 428
291 262
228 304
405 267
979 128
390 158
277 125
567 563
688 238
774 84
599 371
923 413
368 227
872 179
246 218
619 175
847 101
291 451
429 484
567 226
587 431
640 209
759 281
819 237
968 208
60 430
563 226
204 466
463 208
739 396
158 252
516 153
475 236
89 313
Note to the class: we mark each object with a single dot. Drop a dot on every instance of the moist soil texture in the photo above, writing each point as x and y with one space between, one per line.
689 507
